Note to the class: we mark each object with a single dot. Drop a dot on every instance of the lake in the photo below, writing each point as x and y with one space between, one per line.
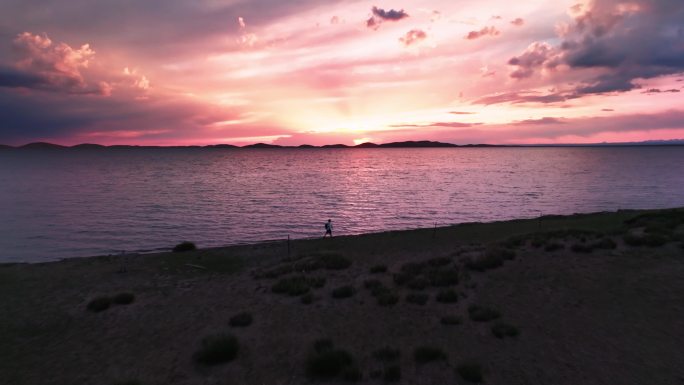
74 203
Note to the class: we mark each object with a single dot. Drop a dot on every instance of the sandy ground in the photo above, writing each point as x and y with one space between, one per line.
608 316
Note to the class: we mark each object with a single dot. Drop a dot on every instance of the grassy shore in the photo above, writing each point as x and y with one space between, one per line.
582 299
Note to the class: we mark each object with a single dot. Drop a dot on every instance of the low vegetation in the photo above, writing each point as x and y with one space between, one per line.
377 269
425 354
123 298
326 362
417 298
447 296
502 329
392 373
241 320
471 372
99 304
343 292
387 354
490 260
184 246
648 240
297 285
217 349
482 313
451 320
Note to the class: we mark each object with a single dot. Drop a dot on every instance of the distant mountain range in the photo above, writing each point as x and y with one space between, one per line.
407 144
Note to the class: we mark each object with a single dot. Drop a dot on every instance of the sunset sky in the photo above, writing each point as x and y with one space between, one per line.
178 72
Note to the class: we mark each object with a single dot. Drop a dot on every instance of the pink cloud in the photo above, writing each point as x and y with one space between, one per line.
486 31
413 36
58 65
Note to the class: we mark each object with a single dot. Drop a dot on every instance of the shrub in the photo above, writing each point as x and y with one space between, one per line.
451 320
447 296
372 284
328 364
378 269
217 349
343 292
581 248
425 354
387 354
123 298
438 261
553 246
417 283
417 298
446 277
386 297
241 320
323 344
334 261
486 262
298 285
650 240
470 372
482 313
293 286
605 243
99 304
502 329
352 374
392 373
131 382
184 246
307 298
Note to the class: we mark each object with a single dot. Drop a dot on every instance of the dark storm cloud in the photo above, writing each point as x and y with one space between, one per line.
13 78
389 15
379 15
622 41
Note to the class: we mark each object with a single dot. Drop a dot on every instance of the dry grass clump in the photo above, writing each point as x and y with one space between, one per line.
343 292
447 296
325 362
482 313
502 329
241 320
425 354
417 298
470 371
184 246
298 285
217 349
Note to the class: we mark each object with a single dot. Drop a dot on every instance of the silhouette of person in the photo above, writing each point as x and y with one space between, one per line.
328 228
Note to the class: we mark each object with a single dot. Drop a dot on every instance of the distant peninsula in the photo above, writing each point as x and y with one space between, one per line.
405 144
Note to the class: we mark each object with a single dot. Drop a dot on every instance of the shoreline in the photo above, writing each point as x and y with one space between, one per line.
515 304
275 242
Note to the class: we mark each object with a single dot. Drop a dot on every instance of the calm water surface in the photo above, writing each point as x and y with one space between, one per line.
56 204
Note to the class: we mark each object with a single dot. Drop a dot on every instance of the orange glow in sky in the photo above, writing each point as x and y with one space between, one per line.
323 72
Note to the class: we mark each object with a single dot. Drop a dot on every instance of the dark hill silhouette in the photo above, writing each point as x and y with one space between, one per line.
262 145
42 146
88 146
335 146
367 145
5 147
421 143
221 146
306 146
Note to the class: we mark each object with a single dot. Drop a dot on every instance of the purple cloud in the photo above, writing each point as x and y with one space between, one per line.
379 15
614 43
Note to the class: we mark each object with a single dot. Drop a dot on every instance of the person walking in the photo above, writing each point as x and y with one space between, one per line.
328 228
